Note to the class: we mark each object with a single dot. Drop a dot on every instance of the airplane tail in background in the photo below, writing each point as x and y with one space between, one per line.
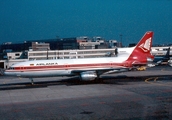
167 54
142 51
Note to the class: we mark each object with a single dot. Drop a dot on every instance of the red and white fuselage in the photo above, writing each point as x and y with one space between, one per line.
85 67
62 67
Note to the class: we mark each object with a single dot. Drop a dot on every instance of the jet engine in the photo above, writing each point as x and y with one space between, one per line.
88 76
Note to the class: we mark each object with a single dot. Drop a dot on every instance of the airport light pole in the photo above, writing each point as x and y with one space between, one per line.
121 39
47 53
58 54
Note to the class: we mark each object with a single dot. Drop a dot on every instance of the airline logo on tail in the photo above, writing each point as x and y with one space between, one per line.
146 46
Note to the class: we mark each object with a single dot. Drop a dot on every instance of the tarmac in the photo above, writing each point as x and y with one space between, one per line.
130 95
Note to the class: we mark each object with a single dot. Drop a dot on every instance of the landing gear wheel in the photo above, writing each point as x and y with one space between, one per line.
32 82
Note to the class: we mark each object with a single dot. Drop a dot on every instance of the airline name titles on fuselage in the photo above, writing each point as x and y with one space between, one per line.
39 64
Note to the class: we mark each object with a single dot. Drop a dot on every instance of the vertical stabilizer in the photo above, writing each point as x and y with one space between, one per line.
167 54
142 51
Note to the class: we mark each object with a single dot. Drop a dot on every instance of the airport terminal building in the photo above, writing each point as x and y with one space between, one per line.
67 48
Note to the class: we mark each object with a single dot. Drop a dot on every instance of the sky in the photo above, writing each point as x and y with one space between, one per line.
22 20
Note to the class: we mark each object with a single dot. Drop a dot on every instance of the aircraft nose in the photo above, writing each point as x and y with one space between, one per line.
9 73
6 72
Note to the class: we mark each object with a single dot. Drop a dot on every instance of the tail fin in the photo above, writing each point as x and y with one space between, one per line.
145 44
167 54
141 52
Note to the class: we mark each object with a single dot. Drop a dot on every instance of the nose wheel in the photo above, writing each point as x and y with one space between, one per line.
31 81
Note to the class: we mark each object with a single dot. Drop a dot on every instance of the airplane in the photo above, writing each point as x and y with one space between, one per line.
161 60
86 68
164 59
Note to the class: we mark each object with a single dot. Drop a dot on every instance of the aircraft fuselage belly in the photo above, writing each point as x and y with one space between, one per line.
45 73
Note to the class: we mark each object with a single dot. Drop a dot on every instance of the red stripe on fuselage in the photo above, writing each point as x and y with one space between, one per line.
67 67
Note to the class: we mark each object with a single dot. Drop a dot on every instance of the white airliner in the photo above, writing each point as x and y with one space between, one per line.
86 68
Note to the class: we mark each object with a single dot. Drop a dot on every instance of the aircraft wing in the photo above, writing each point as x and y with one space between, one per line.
101 71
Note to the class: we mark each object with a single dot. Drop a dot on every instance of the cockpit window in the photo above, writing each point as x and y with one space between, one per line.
11 68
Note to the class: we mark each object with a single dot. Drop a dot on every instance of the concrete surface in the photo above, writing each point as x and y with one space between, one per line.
131 95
